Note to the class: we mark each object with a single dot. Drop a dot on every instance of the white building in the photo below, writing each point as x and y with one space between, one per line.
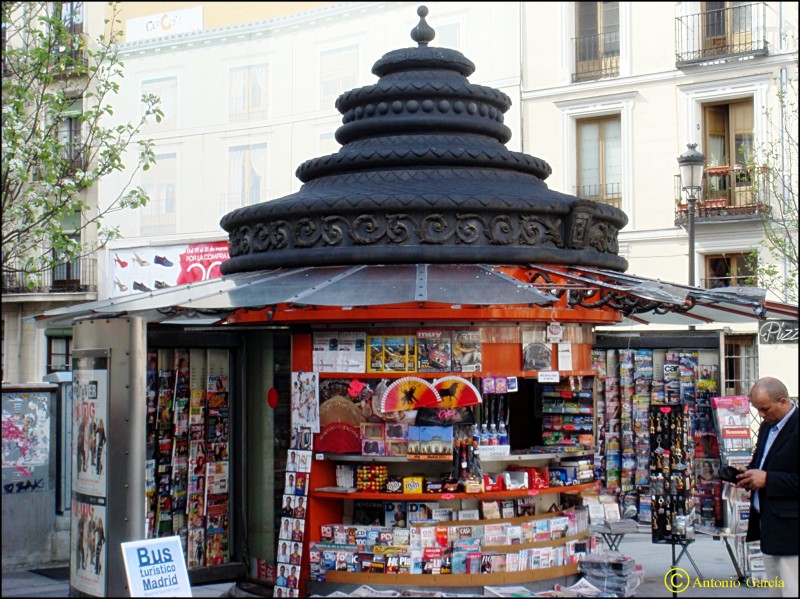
608 93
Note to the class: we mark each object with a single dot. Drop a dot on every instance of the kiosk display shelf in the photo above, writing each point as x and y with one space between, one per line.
529 528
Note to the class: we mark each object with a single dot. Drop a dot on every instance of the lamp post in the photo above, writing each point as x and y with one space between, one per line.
692 164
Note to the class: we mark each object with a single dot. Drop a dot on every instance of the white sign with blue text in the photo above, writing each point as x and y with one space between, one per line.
156 568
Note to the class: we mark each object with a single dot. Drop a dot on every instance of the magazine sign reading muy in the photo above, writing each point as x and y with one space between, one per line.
156 568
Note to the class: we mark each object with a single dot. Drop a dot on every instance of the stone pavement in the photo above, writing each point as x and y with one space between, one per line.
710 556
23 583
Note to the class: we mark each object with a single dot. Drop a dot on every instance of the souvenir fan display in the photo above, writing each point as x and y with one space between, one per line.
339 437
409 393
339 409
456 391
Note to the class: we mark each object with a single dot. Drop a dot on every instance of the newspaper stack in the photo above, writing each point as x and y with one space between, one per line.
611 573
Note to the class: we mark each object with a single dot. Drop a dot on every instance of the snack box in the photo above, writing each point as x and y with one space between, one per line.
515 480
372 447
492 482
372 430
538 477
396 447
413 484
395 430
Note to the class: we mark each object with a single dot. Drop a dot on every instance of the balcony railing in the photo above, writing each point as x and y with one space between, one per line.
596 56
78 276
728 193
608 193
716 34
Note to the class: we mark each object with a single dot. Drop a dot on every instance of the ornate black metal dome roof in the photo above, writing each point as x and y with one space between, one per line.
423 176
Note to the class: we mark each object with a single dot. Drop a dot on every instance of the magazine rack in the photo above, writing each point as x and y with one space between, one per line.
326 506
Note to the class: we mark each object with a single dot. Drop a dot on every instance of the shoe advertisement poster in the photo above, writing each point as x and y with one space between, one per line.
135 270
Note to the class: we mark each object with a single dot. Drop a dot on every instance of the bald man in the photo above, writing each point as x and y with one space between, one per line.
772 476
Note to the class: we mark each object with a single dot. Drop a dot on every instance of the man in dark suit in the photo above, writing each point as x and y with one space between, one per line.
772 477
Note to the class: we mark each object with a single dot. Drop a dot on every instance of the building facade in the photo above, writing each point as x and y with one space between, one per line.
608 93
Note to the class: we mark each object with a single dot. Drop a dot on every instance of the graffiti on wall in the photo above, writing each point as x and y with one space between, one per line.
26 442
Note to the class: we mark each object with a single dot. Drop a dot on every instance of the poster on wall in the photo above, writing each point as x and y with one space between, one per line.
159 267
88 541
305 400
26 442
89 422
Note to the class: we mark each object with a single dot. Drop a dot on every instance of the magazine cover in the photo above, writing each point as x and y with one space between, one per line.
395 354
352 353
217 549
217 391
216 478
368 513
433 351
150 496
395 514
196 550
375 354
197 409
325 351
466 351
732 420
217 426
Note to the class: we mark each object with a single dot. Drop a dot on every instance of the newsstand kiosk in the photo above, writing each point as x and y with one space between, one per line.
423 291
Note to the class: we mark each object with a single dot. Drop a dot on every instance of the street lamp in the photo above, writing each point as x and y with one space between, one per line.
692 164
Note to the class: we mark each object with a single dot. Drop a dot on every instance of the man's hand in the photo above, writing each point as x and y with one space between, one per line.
752 479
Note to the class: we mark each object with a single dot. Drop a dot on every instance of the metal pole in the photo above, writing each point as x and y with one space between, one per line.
690 231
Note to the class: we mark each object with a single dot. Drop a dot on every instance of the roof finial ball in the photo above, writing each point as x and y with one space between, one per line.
423 33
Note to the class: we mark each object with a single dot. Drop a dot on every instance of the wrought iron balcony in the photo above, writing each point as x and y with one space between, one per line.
78 276
608 193
596 56
728 193
717 34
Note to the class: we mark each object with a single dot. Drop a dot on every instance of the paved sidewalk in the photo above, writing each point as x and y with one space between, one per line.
710 556
23 583
712 560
